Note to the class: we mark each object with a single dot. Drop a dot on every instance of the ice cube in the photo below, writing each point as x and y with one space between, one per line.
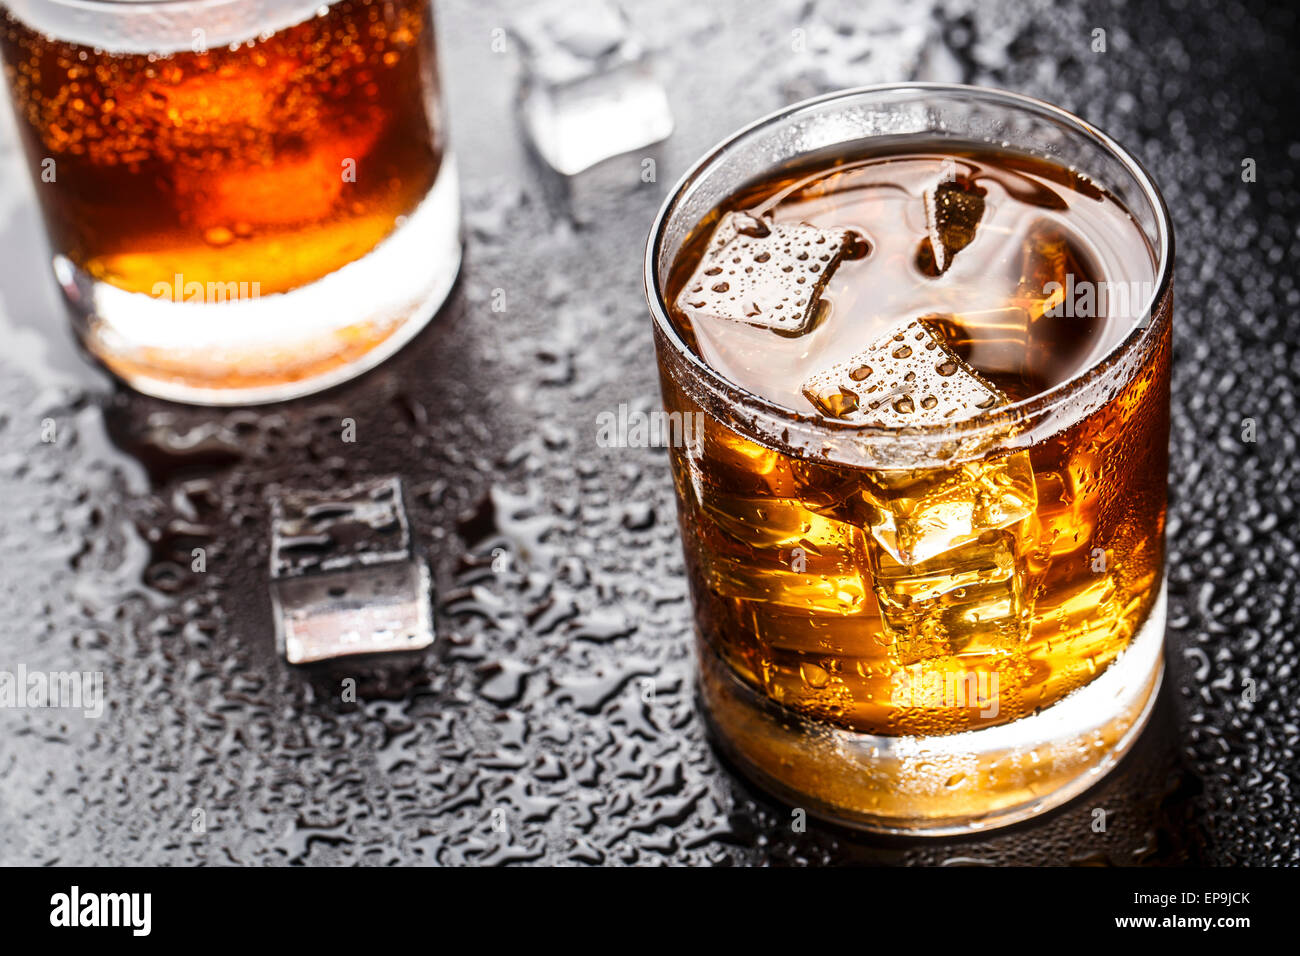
1058 291
993 340
776 551
1047 263
953 208
1039 335
1065 512
970 599
345 578
1034 335
589 90
767 274
946 546
917 515
256 194
948 550
908 376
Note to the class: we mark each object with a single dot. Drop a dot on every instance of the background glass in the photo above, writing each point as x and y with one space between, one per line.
246 200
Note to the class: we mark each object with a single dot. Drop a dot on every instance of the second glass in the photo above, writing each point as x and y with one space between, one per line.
246 201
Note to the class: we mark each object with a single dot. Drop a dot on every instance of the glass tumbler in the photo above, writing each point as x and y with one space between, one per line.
800 671
246 200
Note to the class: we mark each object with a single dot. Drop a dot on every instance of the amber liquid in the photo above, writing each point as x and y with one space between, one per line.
269 165
793 592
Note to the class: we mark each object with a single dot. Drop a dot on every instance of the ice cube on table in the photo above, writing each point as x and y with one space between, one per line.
766 274
345 578
589 90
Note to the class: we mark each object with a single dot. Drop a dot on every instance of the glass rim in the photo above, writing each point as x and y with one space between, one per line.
125 5
1032 406
168 25
140 4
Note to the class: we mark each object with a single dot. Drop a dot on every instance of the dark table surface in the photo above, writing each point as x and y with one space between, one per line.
529 710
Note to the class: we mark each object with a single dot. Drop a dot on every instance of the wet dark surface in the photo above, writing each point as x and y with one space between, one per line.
553 720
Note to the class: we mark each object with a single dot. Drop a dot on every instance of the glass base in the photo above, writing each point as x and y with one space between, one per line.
233 350
943 785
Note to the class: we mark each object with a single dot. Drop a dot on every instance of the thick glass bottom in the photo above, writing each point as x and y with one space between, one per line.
940 785
223 346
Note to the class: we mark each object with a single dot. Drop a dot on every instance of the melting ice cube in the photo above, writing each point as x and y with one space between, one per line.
345 578
947 546
970 599
767 274
1050 322
953 209
589 90
920 514
907 377
1064 305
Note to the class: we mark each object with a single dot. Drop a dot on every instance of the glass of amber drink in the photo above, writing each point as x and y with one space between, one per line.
246 200
926 329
